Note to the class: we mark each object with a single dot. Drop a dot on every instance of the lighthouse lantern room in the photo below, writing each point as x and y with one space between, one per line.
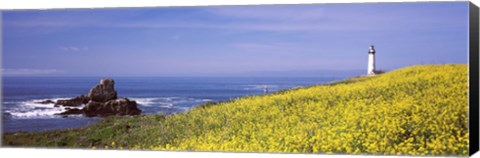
371 61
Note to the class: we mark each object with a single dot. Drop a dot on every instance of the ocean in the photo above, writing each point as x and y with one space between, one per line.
167 95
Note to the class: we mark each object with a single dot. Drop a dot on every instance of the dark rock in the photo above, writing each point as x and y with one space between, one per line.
101 101
92 108
72 111
77 101
103 92
46 102
121 106
124 106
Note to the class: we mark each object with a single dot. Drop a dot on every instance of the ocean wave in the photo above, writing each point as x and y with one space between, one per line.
183 109
144 101
166 105
167 102
43 113
207 100
34 109
261 87
10 102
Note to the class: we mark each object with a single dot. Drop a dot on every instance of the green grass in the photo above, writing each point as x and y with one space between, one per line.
418 110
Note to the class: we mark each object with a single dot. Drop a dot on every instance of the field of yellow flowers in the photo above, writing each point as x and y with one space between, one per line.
418 110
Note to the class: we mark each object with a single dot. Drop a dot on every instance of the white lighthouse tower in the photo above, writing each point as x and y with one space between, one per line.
371 61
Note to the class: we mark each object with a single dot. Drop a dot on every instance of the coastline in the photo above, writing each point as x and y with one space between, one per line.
21 106
248 123
206 103
201 105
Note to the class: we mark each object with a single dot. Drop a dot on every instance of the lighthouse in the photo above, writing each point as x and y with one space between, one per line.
371 61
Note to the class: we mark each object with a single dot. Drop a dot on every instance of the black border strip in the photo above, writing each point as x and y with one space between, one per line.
473 80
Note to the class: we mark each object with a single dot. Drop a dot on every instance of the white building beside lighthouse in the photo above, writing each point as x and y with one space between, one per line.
371 61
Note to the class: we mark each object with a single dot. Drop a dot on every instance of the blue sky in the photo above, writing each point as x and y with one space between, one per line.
232 40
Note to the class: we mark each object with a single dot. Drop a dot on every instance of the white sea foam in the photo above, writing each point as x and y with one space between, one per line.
9 102
183 108
260 87
207 100
33 104
34 109
144 101
169 102
166 105
39 113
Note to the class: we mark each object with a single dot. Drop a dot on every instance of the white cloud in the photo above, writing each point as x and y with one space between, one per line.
277 18
256 18
277 48
74 49
251 26
33 72
270 13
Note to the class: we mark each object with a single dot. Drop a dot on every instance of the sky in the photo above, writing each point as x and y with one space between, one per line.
232 40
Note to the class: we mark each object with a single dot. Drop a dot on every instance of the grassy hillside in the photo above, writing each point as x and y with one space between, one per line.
418 110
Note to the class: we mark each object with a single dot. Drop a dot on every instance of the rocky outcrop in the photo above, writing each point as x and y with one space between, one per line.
46 102
73 111
104 91
122 106
77 101
101 101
